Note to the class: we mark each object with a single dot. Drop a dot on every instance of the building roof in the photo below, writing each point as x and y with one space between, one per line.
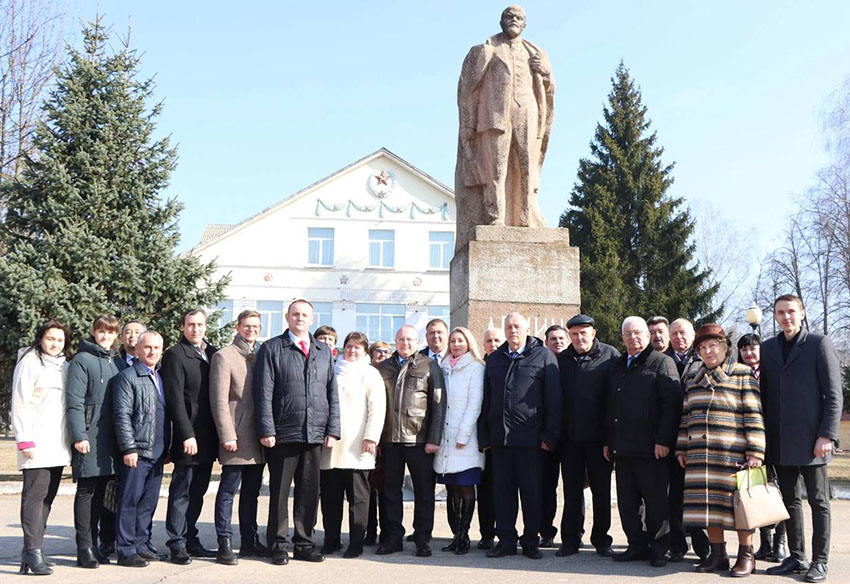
214 232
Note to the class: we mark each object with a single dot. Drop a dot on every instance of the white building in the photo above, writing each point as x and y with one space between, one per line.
369 246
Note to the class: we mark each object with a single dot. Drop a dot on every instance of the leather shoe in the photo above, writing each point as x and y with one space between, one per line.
632 553
196 549
308 555
502 550
353 552
605 552
532 553
788 566
148 555
658 560
817 572
279 557
486 543
675 556
423 551
180 556
106 549
225 553
547 542
134 561
257 549
566 550
86 558
388 548
329 548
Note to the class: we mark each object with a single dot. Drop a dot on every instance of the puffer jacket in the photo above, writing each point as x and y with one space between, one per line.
416 400
522 398
295 397
464 394
134 396
88 409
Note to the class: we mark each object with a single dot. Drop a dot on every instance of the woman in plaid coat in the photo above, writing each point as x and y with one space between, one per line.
721 431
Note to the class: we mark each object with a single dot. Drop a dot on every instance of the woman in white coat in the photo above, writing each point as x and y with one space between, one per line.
346 465
38 419
458 462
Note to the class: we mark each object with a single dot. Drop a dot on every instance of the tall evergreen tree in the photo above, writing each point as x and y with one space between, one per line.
85 230
637 256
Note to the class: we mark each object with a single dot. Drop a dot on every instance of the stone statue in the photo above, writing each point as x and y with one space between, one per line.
506 104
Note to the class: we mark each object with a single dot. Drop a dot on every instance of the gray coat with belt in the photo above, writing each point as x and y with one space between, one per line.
801 398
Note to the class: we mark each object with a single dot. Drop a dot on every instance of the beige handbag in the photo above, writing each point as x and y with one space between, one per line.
757 505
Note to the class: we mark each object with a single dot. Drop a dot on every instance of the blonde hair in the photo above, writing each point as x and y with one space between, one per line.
470 341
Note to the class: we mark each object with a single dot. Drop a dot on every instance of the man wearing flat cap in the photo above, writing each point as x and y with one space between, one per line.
584 365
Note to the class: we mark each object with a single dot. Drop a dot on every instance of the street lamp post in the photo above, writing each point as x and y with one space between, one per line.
754 318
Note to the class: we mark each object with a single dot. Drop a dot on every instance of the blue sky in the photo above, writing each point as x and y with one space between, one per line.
264 98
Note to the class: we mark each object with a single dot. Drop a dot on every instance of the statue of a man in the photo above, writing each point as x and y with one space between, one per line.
506 103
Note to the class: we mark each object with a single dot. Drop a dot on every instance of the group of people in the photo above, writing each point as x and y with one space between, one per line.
675 417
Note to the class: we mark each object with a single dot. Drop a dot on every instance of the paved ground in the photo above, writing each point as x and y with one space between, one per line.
405 567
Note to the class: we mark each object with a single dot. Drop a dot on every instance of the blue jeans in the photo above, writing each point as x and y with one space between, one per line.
250 476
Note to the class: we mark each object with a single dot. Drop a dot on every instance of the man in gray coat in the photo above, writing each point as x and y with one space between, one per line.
801 397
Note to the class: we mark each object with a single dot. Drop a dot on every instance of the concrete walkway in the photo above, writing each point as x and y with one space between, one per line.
394 569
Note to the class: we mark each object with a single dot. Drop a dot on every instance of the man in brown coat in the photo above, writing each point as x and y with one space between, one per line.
240 453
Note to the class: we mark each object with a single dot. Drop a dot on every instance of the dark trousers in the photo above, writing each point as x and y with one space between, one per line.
39 490
106 533
518 470
817 490
354 486
250 477
298 463
372 521
421 467
88 504
189 483
577 460
675 498
486 505
138 495
644 480
551 474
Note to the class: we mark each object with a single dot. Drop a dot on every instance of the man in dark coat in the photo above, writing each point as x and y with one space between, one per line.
186 378
88 408
297 410
687 362
520 419
143 434
584 366
129 337
413 427
556 340
800 379
644 400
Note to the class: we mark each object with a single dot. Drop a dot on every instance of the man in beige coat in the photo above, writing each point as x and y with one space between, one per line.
241 455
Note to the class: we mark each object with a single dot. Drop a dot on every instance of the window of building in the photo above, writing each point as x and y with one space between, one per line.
379 321
440 312
381 248
324 315
271 312
441 248
227 316
320 246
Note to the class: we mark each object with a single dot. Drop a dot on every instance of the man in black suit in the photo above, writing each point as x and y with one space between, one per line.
437 337
800 379
186 379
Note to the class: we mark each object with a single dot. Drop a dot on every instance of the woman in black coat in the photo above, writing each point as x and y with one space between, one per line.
88 408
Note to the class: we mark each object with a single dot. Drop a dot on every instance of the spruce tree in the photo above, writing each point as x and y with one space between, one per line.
85 230
637 256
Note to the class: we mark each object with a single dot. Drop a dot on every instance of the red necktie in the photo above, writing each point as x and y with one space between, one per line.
304 348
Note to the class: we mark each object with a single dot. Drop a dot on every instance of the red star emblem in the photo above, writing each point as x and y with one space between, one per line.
383 178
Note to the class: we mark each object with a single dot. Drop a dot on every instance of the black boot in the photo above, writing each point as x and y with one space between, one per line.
86 558
33 561
467 509
779 553
765 551
225 554
716 561
452 511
